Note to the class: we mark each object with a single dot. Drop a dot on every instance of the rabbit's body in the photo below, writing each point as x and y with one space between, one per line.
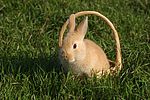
82 55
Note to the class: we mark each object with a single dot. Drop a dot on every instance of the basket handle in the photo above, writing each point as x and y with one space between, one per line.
118 50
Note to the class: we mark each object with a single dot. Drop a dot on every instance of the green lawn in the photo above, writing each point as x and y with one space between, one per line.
29 65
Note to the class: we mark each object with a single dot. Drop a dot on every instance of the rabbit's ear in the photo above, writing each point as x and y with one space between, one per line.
82 28
72 23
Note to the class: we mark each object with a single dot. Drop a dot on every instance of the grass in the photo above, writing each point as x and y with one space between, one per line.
29 32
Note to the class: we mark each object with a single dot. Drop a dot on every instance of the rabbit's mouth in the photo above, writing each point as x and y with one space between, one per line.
72 60
68 57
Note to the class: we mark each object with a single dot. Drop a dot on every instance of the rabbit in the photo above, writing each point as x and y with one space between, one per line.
81 55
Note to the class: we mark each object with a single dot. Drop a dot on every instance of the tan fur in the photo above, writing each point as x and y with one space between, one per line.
88 58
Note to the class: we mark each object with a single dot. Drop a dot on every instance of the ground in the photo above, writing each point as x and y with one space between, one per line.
30 68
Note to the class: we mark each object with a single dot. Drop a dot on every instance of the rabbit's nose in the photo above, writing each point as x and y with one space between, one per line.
64 55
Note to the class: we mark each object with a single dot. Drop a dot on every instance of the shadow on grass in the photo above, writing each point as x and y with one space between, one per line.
43 72
27 65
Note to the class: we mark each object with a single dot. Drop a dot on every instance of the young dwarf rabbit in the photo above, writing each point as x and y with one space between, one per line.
82 55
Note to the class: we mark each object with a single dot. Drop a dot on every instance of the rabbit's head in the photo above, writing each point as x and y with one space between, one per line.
73 46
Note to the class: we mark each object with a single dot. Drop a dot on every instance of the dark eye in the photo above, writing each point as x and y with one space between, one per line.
74 46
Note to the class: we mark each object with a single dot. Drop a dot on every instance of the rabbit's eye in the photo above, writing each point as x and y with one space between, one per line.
74 46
